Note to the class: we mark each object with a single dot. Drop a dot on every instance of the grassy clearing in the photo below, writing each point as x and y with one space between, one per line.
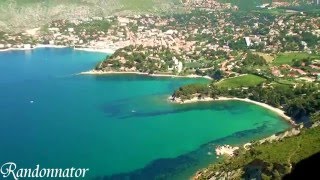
286 58
269 58
241 81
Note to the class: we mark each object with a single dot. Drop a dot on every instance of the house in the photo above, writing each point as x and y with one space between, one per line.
27 46
123 21
248 41
179 67
70 29
54 29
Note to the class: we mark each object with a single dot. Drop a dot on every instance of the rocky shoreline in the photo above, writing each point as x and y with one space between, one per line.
230 151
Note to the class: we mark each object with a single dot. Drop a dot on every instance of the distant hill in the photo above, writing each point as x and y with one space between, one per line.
23 14
17 14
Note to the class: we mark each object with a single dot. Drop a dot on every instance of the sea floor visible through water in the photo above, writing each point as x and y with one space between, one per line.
116 125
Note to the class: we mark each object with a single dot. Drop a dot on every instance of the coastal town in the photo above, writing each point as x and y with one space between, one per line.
199 42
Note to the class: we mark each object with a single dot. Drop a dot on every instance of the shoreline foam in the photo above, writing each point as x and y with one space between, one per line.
278 111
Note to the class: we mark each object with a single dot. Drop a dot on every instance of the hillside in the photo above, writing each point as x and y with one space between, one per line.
269 160
22 14
26 14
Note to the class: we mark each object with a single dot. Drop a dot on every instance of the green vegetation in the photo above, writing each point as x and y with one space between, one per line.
132 58
138 5
49 10
294 42
315 117
93 26
298 102
287 58
254 60
244 4
301 62
187 91
274 159
310 39
145 5
238 45
275 11
241 81
269 58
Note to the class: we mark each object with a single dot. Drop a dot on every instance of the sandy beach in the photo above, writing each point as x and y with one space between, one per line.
107 51
94 72
37 46
208 99
49 46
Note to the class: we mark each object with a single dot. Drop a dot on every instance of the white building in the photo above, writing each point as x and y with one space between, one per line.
248 41
70 29
179 67
54 29
27 46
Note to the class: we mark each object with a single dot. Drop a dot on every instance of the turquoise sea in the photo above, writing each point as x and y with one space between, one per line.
119 126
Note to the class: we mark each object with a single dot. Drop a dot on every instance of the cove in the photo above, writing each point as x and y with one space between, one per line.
116 125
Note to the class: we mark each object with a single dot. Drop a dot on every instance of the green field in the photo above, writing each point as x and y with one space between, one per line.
286 58
269 58
241 81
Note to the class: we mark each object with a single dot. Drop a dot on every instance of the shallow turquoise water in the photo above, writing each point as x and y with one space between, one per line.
115 125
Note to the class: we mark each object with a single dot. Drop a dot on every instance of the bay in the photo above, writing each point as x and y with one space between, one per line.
116 125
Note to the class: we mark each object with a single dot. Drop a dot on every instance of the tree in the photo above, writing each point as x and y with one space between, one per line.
238 45
217 75
254 60
310 39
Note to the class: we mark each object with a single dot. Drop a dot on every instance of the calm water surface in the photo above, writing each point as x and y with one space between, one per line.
118 126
